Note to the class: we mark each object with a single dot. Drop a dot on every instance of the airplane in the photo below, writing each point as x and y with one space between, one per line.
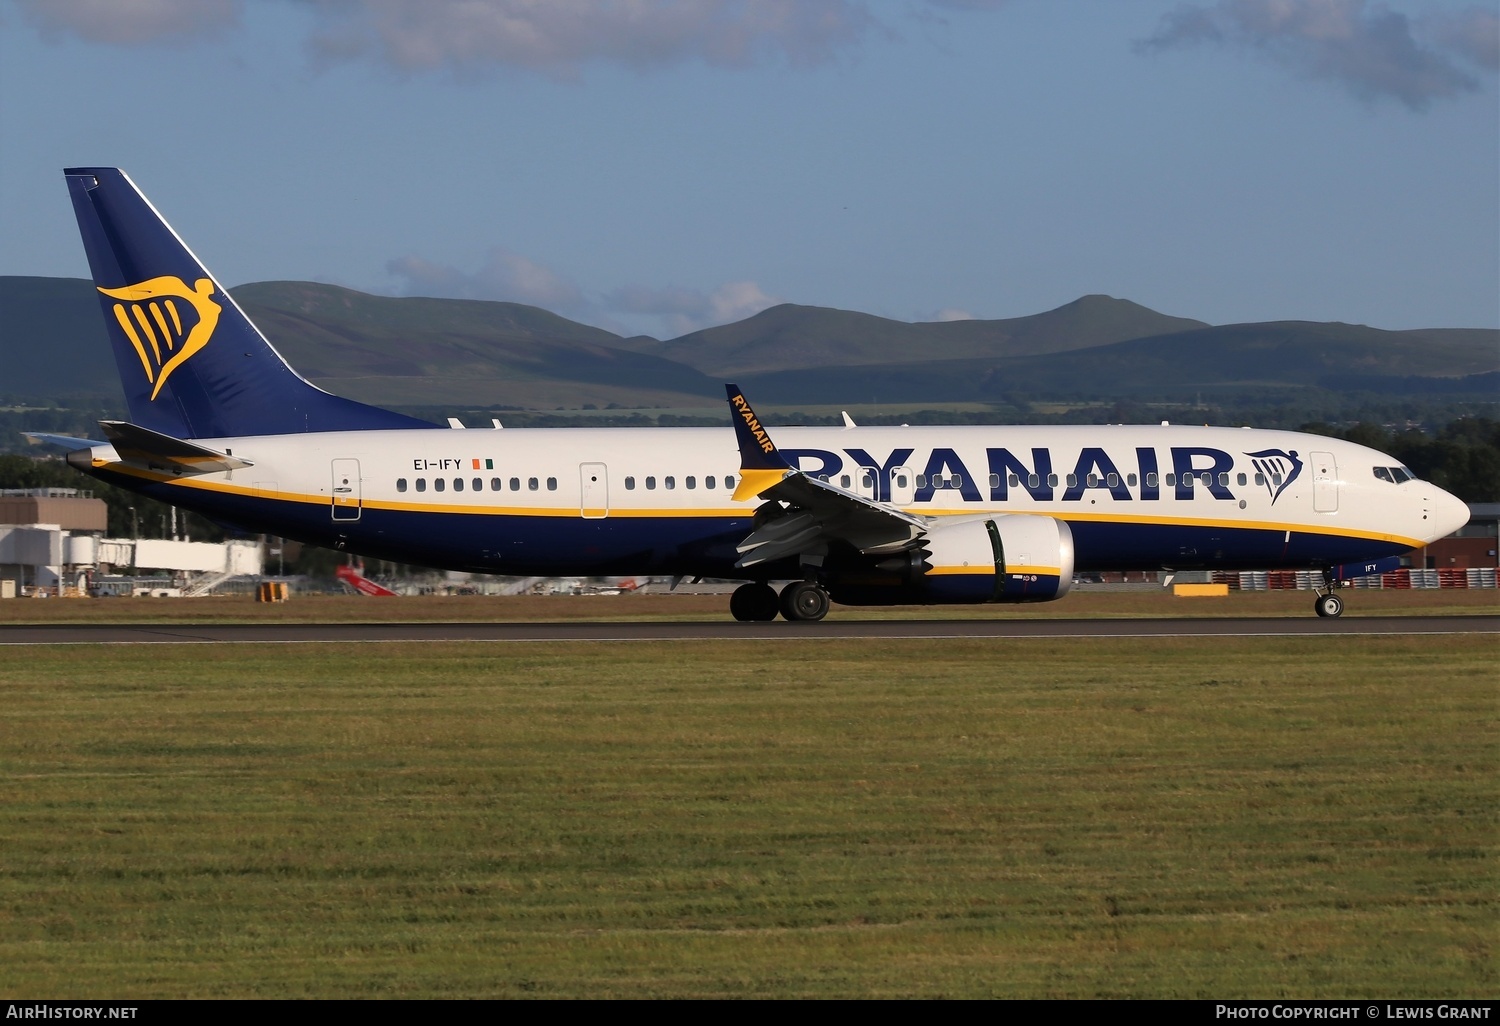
220 424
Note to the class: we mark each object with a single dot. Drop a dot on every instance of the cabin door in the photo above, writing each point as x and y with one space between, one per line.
593 479
903 486
1325 482
346 495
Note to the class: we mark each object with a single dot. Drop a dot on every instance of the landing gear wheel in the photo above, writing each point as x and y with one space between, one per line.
804 600
1329 605
753 603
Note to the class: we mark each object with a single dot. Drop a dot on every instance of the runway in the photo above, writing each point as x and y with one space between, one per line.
727 630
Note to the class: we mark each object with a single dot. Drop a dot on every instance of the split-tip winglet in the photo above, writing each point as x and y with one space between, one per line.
761 463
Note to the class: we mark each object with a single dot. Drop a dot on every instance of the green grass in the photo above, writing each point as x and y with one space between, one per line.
1083 604
1214 818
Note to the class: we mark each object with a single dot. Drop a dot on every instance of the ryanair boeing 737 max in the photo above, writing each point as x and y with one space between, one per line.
220 424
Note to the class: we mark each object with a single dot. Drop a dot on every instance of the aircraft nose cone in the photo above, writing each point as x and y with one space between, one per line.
1446 513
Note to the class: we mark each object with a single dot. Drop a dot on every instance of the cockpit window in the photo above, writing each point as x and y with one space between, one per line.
1395 475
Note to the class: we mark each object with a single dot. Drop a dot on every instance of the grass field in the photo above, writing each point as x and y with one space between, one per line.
1083 603
1177 817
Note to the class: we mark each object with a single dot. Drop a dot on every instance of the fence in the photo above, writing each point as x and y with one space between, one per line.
1309 580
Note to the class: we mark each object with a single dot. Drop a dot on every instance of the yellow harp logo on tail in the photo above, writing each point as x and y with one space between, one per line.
163 337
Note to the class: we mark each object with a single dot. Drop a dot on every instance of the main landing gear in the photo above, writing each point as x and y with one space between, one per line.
800 600
1328 604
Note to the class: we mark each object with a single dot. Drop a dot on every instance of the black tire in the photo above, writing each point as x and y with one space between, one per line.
1329 606
804 601
753 603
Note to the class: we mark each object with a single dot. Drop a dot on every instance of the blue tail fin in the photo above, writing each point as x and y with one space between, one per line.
192 364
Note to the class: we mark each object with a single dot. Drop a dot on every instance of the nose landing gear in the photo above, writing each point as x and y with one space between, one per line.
1328 604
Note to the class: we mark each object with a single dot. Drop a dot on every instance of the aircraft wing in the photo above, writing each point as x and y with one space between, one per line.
157 451
804 515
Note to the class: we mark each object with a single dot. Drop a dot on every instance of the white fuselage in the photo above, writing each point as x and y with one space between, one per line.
613 500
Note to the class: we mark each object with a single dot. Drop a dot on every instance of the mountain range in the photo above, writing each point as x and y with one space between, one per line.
415 351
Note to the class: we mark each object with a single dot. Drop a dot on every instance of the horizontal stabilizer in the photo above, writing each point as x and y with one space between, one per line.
157 451
66 441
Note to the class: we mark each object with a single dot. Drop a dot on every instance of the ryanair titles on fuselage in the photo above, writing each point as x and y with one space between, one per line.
1190 469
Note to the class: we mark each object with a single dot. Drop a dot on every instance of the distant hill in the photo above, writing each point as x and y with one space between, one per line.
1290 354
789 336
52 341
473 354
408 351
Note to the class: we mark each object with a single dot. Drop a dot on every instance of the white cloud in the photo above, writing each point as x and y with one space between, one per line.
1473 34
1369 48
511 278
552 37
130 22
557 38
505 276
679 311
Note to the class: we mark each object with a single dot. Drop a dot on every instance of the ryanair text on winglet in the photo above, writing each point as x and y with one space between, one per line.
766 445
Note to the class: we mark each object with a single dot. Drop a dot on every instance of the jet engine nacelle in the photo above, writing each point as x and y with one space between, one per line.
1008 558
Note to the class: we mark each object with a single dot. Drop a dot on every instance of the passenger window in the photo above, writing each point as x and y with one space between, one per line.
844 481
669 482
1113 480
1276 479
691 482
400 484
551 484
478 484
900 480
438 484
921 480
708 482
531 484
729 481
1072 480
1093 480
458 484
651 484
630 484
515 484
1171 481
867 480
1260 478
1130 480
495 484
1153 481
1240 479
956 481
1223 480
421 484
1034 481
1051 480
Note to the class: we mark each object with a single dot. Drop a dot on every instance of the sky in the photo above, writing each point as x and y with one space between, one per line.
659 166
